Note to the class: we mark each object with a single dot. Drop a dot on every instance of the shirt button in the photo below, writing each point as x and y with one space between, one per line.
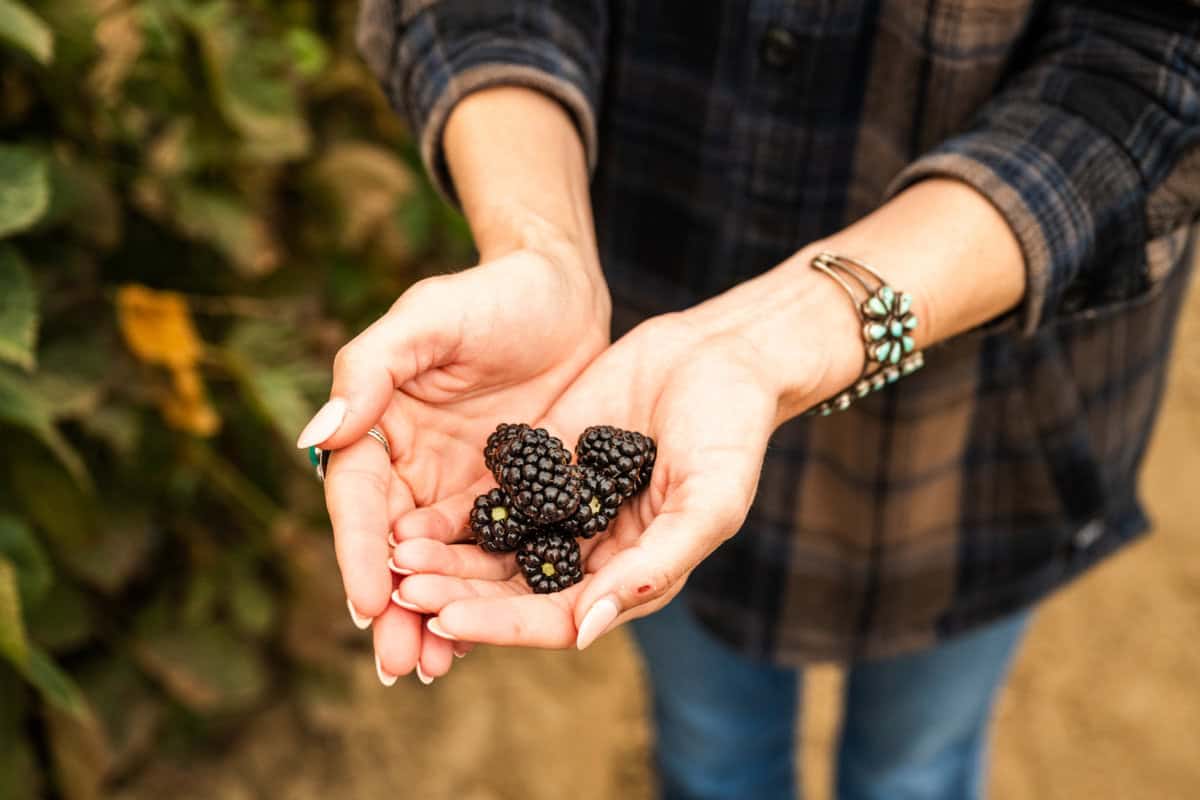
779 49
1088 535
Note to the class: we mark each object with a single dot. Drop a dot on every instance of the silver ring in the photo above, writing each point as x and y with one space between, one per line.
379 436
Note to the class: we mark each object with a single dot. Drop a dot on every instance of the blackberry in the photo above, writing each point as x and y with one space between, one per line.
598 504
535 472
625 456
493 451
550 562
497 526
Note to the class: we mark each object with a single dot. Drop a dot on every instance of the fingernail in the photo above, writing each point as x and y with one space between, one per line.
459 653
596 621
422 677
360 622
398 570
385 677
436 629
323 424
400 601
392 543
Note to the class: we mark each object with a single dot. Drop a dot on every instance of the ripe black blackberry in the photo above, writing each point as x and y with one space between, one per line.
550 562
534 470
493 451
498 527
598 504
625 456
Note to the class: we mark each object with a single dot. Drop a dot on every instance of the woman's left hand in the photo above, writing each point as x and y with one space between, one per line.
696 382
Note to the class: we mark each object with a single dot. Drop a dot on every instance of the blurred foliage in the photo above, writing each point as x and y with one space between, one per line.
199 202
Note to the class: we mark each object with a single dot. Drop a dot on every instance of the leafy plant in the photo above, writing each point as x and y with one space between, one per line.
199 201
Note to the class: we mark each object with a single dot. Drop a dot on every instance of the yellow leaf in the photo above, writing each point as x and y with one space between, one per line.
157 327
187 407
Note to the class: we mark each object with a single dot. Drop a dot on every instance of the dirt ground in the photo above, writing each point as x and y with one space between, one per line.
1104 701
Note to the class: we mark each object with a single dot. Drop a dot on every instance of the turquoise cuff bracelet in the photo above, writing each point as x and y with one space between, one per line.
888 325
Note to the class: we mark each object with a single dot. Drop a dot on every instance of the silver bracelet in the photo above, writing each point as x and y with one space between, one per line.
888 324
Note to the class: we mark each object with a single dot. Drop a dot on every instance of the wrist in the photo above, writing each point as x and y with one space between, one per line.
940 241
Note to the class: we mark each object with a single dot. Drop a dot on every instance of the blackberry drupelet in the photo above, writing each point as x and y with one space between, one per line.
493 451
598 504
497 526
534 470
625 456
550 562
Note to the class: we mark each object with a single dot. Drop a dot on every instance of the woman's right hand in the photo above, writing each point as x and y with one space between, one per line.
454 356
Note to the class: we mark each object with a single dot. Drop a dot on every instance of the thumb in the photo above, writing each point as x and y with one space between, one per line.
414 336
643 577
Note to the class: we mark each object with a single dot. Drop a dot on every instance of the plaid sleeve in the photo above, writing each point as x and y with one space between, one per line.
429 54
1091 149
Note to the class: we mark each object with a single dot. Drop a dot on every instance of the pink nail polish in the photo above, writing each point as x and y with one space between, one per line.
323 424
597 620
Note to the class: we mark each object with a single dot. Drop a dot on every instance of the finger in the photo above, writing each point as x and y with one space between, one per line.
437 656
416 335
428 594
458 560
671 547
398 635
524 620
445 520
357 484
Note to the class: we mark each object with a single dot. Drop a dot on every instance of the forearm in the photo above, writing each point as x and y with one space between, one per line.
940 241
520 172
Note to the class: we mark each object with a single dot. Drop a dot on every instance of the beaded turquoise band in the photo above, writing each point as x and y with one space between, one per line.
888 324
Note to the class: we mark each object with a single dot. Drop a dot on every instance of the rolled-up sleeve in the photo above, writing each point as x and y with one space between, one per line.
429 54
1091 150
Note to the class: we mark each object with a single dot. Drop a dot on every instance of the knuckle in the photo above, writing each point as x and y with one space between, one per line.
421 292
339 480
347 357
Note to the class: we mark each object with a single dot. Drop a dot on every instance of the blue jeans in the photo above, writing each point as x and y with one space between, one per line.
914 727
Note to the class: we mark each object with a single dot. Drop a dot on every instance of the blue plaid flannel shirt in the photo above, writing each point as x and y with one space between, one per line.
725 135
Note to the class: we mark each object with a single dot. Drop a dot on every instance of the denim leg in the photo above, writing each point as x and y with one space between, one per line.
725 723
915 726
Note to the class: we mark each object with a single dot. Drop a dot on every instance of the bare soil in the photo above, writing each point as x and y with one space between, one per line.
1104 701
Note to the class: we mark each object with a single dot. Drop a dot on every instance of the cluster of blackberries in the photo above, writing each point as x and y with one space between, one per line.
545 502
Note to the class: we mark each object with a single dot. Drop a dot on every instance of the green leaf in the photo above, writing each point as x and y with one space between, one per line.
72 374
14 645
251 603
24 30
24 187
18 310
21 408
128 706
204 667
55 686
63 618
271 371
27 556
308 51
251 92
227 222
